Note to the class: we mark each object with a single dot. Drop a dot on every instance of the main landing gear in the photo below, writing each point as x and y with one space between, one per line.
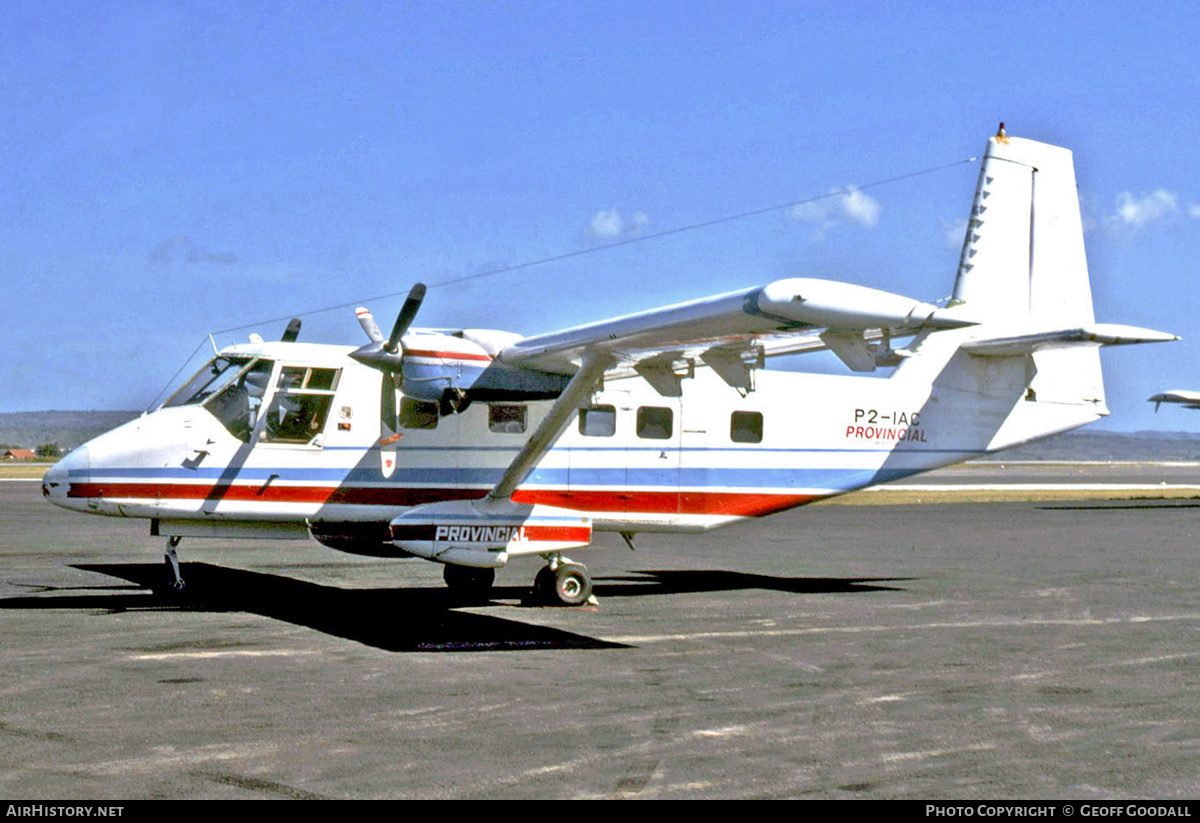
468 581
564 582
560 582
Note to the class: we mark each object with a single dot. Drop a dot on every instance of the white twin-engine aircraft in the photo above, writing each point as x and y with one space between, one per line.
473 447
1185 398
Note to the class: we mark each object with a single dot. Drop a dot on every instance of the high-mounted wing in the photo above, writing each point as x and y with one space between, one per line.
796 314
718 330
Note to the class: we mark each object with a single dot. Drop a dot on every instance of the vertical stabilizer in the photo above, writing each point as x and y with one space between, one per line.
1023 271
1023 255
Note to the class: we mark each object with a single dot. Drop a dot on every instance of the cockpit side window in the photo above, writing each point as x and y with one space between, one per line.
237 402
300 407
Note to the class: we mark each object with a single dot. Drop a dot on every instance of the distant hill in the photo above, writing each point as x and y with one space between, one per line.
71 428
1111 446
68 429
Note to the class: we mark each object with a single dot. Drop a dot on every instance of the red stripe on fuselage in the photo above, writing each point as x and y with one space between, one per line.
734 504
553 534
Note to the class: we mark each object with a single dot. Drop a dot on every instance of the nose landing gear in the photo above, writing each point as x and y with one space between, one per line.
172 561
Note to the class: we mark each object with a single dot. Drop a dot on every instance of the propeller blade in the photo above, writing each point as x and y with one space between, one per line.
404 319
367 321
387 403
292 331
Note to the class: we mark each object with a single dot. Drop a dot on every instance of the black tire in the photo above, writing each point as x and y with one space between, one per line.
469 581
544 586
165 586
572 584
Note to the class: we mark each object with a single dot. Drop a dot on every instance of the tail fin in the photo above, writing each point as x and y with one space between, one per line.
1023 265
1023 256
1030 368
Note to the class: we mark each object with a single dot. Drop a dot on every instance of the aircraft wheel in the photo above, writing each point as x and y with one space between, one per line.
544 585
572 584
468 581
168 585
172 584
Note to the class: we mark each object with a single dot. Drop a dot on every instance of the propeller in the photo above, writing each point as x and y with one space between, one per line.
387 355
367 321
404 319
292 331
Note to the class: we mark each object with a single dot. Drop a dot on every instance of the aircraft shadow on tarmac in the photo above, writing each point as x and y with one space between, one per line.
1164 504
397 619
703 580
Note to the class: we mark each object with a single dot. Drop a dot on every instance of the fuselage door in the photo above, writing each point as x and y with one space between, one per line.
652 473
597 475
625 454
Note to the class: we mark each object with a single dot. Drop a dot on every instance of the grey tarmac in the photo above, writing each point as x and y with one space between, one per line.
1044 649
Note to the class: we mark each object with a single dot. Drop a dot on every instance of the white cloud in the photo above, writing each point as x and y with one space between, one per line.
956 232
1194 211
1137 211
606 224
861 208
182 249
848 205
612 224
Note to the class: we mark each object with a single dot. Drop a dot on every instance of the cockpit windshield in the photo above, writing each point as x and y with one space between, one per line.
209 380
230 387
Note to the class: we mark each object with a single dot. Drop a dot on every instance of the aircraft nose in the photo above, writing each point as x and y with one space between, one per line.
74 468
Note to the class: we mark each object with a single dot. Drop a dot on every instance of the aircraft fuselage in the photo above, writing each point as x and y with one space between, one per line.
633 459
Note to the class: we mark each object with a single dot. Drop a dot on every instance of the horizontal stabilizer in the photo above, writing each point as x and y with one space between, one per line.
1094 334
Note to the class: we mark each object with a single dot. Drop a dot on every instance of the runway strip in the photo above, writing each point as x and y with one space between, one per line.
1001 623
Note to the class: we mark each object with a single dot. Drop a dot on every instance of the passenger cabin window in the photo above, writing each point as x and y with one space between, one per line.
415 414
300 407
506 419
598 421
654 423
232 390
746 427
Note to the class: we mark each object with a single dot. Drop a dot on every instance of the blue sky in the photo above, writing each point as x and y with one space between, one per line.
174 168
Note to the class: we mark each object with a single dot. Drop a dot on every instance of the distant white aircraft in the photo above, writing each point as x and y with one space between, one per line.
1188 399
472 447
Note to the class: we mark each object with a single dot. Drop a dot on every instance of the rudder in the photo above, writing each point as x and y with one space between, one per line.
1023 264
1023 254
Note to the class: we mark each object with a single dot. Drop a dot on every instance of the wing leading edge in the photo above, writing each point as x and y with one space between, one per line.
786 316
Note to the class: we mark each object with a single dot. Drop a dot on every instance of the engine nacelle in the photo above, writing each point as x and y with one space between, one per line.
433 365
433 362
